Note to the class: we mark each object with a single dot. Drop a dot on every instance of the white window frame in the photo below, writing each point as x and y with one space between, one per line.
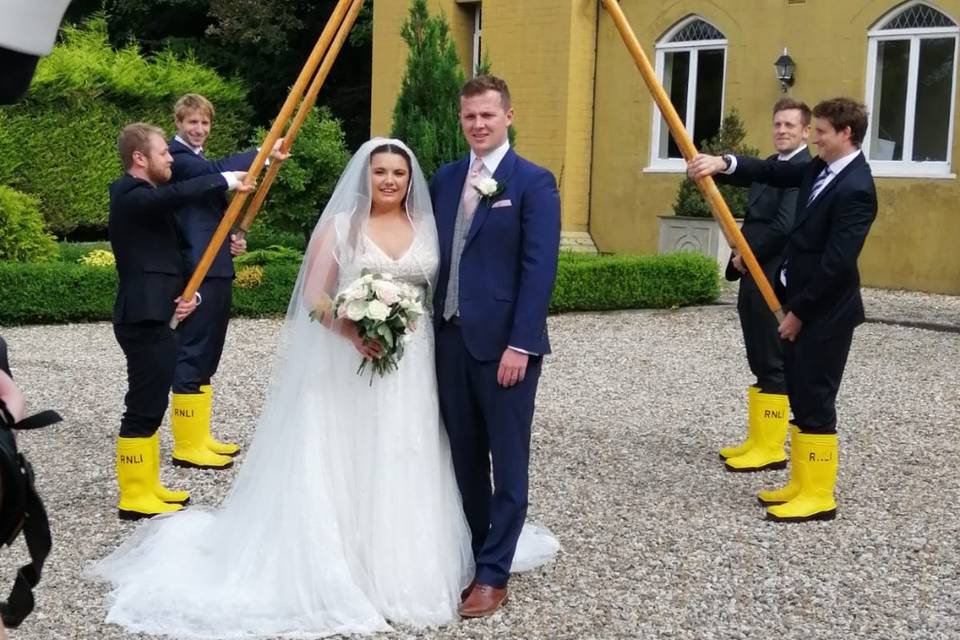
664 46
910 168
477 34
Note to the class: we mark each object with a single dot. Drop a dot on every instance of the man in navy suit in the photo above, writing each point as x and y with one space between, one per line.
151 277
498 219
202 337
819 286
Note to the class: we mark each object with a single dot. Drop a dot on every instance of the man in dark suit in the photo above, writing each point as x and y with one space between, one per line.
770 216
151 277
498 220
819 284
202 337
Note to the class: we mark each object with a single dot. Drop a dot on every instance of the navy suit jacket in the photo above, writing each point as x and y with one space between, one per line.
509 261
820 259
766 227
143 237
197 221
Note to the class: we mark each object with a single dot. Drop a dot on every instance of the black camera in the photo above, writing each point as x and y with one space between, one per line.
21 509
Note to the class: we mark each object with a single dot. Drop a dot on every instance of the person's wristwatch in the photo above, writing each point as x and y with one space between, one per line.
727 161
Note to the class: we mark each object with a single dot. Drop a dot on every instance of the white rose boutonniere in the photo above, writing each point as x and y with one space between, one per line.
488 188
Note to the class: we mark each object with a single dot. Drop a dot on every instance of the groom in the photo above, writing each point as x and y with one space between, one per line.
498 218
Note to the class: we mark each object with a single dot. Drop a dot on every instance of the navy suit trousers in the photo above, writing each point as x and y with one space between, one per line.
202 336
814 367
487 422
151 351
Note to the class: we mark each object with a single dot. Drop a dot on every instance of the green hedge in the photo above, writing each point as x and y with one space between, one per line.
64 292
60 144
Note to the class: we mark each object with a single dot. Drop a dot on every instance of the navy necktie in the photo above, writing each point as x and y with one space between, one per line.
819 184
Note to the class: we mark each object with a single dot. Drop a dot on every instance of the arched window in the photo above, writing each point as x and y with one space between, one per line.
691 64
911 75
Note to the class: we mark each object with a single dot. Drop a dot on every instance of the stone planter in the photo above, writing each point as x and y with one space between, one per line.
702 235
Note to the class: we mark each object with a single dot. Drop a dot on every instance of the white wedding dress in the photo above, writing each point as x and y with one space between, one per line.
345 516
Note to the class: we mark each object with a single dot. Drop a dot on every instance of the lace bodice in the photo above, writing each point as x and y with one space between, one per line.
414 267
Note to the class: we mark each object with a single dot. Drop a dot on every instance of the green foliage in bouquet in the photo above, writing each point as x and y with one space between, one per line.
60 143
308 178
729 139
23 237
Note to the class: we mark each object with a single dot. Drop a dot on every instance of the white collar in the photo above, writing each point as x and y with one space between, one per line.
187 145
839 165
493 159
790 155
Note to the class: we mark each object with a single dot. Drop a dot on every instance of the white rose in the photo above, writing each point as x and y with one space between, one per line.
356 293
367 279
486 186
378 311
357 310
386 291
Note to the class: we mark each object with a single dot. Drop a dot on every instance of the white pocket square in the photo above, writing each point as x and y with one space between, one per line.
501 203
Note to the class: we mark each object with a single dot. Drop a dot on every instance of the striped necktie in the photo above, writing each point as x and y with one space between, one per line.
819 184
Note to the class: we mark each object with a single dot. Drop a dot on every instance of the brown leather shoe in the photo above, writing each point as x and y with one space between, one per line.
482 601
466 592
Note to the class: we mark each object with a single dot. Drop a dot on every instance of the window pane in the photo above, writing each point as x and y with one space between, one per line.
676 72
709 98
934 92
890 99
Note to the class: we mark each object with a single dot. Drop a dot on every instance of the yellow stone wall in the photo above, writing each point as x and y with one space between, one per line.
583 111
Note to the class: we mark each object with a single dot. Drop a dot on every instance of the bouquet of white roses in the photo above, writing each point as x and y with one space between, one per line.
383 310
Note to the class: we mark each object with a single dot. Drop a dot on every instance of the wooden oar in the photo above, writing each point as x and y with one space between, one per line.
308 101
719 208
236 204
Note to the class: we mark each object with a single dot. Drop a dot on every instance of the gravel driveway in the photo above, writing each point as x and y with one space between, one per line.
658 541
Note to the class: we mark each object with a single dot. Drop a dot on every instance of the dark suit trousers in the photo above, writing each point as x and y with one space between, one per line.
202 336
151 351
761 339
487 422
814 367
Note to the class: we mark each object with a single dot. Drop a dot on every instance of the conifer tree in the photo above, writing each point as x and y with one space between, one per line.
426 115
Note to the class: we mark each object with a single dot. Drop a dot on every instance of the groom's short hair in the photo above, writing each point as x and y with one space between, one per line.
481 84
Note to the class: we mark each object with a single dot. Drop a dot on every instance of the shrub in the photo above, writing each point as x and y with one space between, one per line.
249 277
55 292
426 115
61 292
595 283
60 144
72 252
98 258
274 254
306 181
262 236
729 139
22 234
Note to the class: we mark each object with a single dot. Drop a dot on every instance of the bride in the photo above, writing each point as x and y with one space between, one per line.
346 513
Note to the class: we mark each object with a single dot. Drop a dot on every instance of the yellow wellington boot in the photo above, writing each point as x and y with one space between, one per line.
770 433
740 449
189 430
223 448
176 497
817 453
135 473
792 488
